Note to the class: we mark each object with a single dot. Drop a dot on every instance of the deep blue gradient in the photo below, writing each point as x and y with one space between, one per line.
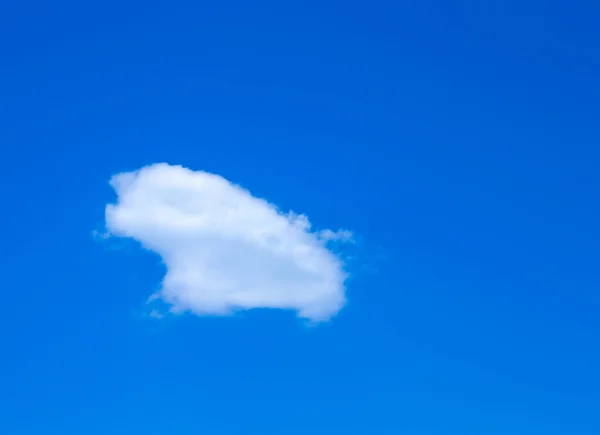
460 142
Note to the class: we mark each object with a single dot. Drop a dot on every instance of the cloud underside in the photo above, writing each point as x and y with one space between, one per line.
224 249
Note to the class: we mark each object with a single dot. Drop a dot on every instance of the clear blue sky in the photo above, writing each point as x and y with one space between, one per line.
459 140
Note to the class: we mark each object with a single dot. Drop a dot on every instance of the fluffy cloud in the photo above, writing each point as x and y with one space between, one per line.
225 249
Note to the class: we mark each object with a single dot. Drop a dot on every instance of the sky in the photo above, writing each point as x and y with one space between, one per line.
291 218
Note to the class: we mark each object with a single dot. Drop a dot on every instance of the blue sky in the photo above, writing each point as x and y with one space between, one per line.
458 142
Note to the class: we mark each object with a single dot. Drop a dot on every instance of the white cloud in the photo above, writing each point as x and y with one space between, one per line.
225 249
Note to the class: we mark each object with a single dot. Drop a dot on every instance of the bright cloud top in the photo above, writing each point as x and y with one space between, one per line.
225 249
